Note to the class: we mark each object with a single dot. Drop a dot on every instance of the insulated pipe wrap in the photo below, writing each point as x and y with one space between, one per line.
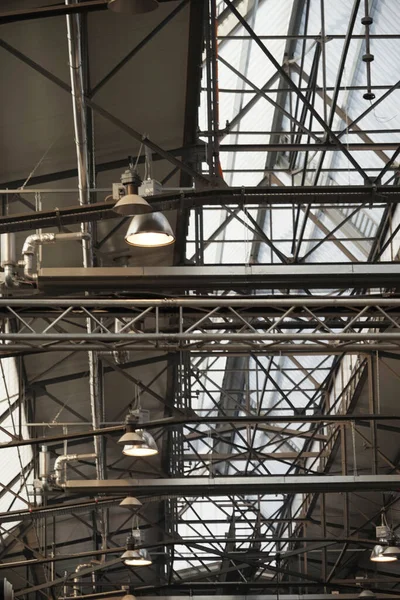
44 462
8 250
66 458
38 239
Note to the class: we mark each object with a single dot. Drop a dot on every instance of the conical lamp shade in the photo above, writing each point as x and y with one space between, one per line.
148 447
131 205
131 437
150 231
137 558
130 502
393 551
378 555
368 594
132 7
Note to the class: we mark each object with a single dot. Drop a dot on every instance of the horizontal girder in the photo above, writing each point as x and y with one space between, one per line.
249 278
257 196
221 486
220 324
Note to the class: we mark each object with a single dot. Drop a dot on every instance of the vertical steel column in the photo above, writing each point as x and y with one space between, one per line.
180 383
199 235
372 409
212 88
79 115
80 129
324 552
214 75
343 445
323 42
209 95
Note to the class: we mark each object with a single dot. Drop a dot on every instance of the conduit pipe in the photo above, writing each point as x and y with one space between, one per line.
78 569
79 114
82 154
9 259
63 460
38 239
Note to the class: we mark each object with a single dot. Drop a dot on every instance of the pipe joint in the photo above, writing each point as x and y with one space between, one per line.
39 239
63 460
78 569
35 240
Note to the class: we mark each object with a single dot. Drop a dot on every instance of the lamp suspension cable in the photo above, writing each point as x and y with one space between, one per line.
136 441
134 556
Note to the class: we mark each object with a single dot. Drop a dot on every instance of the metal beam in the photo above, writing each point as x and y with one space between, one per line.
40 12
149 324
137 48
253 596
220 486
265 277
285 77
254 196
53 10
96 303
311 147
139 137
340 71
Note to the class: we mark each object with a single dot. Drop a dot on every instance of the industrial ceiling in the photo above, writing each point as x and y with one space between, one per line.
251 367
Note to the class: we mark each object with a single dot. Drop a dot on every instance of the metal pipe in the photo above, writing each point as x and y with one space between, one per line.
79 106
44 463
8 251
77 578
63 460
79 114
38 239
9 259
96 406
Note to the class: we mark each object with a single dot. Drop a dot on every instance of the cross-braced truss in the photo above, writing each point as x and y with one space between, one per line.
282 107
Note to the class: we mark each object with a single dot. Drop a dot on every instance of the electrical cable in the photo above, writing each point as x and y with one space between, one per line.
35 168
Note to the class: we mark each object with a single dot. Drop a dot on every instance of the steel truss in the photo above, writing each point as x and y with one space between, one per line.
264 196
281 324
252 327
